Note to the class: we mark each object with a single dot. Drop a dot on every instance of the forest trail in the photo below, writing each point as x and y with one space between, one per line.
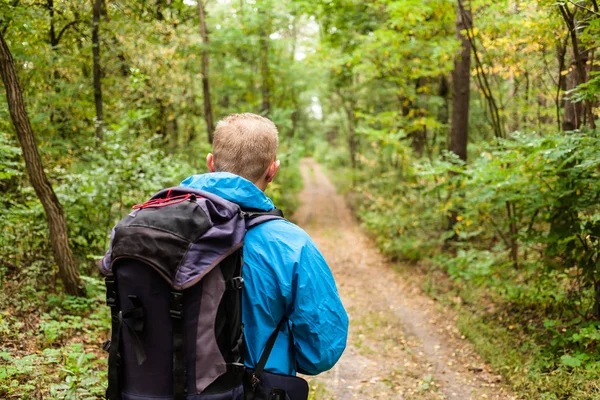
402 345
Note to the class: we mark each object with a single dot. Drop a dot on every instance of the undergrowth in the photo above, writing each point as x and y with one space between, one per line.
51 343
521 258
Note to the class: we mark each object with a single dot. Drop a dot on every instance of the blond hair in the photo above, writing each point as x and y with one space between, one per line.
245 145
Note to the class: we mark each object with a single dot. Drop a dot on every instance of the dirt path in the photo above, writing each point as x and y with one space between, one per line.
401 345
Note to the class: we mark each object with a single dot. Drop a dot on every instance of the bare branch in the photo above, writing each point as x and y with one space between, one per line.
64 29
585 8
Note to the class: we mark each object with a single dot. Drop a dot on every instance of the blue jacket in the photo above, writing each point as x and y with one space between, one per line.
284 274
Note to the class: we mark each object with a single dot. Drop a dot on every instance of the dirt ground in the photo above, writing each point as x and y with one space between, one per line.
402 345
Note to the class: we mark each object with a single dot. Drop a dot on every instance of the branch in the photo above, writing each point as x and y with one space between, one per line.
85 35
67 26
570 14
585 8
482 80
566 16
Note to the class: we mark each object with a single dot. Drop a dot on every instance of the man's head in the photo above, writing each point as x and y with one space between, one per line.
245 145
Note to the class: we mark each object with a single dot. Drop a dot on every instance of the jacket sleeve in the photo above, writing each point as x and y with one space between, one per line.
318 320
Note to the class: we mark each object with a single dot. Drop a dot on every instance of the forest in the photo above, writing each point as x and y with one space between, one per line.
463 134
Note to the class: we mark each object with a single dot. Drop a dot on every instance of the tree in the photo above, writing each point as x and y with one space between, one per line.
208 116
97 69
461 84
579 112
264 63
461 90
57 224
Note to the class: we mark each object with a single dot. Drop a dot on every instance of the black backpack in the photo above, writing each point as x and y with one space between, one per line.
173 284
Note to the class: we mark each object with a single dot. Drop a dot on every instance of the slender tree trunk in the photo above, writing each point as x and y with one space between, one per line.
294 96
52 33
123 64
57 115
97 69
513 230
264 72
565 124
581 113
461 86
208 116
460 91
68 270
194 111
444 92
352 141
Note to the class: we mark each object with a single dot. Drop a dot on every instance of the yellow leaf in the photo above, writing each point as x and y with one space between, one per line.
563 73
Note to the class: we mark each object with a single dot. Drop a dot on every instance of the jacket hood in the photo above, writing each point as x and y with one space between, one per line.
231 187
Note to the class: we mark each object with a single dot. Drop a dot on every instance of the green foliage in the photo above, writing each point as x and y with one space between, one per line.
66 330
551 185
288 182
363 85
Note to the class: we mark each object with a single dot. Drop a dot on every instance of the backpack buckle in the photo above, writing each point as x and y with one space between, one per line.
111 292
235 283
254 381
176 306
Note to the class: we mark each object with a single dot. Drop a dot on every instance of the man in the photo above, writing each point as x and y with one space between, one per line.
285 275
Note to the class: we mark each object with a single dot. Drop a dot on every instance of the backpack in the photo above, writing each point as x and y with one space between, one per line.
173 285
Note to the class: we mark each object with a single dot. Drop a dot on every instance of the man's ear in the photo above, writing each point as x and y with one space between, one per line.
272 171
210 162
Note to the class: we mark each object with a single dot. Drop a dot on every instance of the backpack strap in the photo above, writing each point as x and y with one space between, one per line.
133 319
113 392
179 370
254 217
260 366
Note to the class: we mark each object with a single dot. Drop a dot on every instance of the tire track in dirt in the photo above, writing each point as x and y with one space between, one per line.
402 345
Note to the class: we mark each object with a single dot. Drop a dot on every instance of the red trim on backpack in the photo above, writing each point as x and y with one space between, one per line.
166 201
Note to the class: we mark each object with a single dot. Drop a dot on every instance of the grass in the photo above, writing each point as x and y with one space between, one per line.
318 391
514 348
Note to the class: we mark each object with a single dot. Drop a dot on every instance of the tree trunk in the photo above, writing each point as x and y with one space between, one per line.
68 270
580 113
352 142
264 72
573 111
57 115
123 64
460 91
97 70
294 96
460 86
208 116
561 87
